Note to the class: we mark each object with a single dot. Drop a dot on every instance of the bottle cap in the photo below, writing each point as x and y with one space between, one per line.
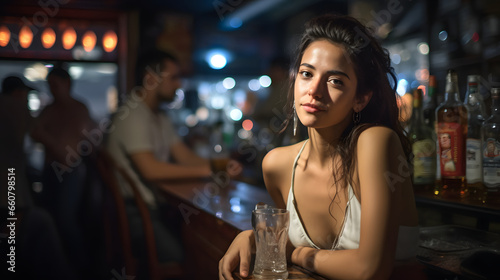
451 76
495 92
473 79
451 82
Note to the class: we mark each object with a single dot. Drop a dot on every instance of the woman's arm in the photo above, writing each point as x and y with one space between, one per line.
239 253
273 166
381 170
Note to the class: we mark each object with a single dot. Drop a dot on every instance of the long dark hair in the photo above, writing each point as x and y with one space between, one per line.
372 66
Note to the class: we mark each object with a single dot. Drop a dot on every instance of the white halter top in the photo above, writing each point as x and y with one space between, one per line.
348 237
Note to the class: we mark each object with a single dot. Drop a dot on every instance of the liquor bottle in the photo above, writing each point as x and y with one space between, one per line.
438 98
451 116
491 149
423 142
474 159
430 104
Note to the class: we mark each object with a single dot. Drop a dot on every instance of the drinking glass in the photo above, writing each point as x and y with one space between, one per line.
270 227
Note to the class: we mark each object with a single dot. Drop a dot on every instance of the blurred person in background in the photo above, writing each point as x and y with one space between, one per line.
38 250
145 143
61 127
15 123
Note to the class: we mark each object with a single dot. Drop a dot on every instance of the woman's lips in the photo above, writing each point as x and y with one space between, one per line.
311 108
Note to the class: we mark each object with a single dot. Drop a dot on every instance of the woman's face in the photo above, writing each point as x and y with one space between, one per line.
325 87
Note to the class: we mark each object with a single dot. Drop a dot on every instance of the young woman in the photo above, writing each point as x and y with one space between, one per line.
347 187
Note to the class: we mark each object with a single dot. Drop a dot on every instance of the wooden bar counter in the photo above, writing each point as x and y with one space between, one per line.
213 212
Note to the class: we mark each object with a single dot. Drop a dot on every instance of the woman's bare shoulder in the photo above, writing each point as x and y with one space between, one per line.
281 157
278 162
380 147
277 168
378 135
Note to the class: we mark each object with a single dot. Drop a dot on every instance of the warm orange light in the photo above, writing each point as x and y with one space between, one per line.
25 37
247 125
423 88
69 38
109 41
4 36
48 38
88 41
422 74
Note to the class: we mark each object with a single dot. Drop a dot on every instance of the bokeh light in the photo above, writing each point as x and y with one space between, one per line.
236 114
48 38
25 37
89 40
4 36
69 38
247 125
229 83
217 61
254 84
109 41
265 81
423 48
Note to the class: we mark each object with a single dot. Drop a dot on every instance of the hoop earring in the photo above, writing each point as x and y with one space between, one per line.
295 121
356 117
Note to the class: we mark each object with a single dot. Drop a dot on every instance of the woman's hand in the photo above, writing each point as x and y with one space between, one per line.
240 252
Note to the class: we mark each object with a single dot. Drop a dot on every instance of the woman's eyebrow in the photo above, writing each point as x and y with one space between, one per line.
334 72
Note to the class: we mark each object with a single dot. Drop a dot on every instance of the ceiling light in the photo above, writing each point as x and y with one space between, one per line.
69 38
25 37
88 41
4 36
109 41
48 38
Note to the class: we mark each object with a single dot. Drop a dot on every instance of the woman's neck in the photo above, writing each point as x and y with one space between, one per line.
322 145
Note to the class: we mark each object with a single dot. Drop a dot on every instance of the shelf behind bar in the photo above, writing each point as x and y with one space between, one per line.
485 213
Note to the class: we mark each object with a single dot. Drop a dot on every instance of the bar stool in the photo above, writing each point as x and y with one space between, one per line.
156 270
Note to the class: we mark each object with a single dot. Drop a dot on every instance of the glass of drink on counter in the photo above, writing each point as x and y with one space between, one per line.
270 226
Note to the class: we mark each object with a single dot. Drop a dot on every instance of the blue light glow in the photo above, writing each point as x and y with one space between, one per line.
443 35
265 81
254 84
217 59
396 58
402 86
235 23
236 114
229 83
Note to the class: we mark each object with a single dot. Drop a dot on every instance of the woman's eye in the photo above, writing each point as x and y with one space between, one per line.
305 74
336 82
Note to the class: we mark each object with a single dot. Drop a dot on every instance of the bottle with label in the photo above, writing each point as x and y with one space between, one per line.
491 149
474 159
451 116
423 141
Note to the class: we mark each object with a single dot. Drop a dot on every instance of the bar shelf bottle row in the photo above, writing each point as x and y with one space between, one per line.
464 162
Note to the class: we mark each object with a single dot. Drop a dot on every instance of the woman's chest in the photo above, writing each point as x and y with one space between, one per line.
321 206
